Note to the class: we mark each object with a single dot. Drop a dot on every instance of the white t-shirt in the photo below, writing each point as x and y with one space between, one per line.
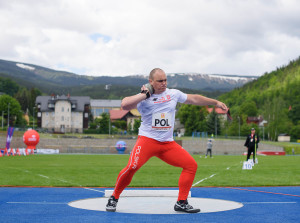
158 114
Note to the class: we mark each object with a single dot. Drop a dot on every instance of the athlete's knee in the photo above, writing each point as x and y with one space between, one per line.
192 166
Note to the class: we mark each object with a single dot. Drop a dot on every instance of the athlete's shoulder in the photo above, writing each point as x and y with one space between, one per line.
179 95
174 91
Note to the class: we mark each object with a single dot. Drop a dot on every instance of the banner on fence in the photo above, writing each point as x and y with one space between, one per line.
10 132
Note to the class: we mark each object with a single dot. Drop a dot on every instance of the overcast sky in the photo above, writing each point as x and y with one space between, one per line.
126 37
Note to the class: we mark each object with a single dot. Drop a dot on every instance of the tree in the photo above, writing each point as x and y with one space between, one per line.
233 128
277 118
8 86
11 109
213 123
104 123
136 125
120 124
193 118
294 113
27 98
249 108
23 98
34 92
295 132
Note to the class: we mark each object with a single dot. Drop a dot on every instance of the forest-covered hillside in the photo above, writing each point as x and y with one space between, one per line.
275 96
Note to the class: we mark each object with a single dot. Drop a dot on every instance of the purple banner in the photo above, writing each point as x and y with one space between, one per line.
10 132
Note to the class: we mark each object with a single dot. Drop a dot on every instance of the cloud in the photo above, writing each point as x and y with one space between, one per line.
117 37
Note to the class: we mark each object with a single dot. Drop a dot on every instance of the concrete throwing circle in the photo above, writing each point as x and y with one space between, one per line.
155 205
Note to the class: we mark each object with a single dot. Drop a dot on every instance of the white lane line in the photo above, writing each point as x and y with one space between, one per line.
269 202
62 180
94 190
27 171
43 176
203 179
212 175
234 165
12 202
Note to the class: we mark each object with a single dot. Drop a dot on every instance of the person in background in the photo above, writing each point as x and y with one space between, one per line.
252 144
209 148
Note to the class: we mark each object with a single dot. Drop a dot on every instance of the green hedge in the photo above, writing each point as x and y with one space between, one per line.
91 131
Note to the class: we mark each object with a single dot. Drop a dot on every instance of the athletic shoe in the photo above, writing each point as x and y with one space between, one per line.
185 207
112 204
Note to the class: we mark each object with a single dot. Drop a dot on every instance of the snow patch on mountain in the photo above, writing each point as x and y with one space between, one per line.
26 67
235 78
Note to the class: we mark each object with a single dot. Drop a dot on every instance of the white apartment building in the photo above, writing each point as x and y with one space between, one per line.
63 113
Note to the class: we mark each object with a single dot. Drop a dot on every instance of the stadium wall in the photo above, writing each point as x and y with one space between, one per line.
107 146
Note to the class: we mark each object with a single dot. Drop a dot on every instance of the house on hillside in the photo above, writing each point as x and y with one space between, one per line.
125 115
63 113
99 106
259 121
284 137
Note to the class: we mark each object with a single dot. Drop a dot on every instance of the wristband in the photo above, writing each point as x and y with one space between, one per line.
147 93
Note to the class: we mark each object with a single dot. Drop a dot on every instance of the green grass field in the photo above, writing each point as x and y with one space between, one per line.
102 171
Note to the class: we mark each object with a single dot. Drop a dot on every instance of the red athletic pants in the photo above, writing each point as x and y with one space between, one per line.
169 152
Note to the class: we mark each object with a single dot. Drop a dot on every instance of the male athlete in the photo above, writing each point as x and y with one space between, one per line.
156 104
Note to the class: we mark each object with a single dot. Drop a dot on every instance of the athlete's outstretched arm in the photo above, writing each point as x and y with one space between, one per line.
196 99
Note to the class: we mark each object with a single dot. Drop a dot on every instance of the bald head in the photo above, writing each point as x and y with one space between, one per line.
158 80
151 75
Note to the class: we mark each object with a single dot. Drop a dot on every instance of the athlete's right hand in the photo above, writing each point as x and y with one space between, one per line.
147 89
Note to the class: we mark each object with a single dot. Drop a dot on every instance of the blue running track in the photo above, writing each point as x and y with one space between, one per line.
261 204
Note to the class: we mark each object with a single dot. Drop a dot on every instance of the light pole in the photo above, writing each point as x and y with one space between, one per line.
2 119
33 117
239 127
109 125
216 125
8 115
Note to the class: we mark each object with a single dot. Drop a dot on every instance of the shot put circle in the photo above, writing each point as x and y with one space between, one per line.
155 205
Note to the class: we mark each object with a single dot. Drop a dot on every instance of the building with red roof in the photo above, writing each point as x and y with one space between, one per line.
125 115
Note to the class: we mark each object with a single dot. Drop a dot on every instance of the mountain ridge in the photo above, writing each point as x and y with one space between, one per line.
49 78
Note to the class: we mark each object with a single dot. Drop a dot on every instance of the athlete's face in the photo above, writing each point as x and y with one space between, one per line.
159 82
